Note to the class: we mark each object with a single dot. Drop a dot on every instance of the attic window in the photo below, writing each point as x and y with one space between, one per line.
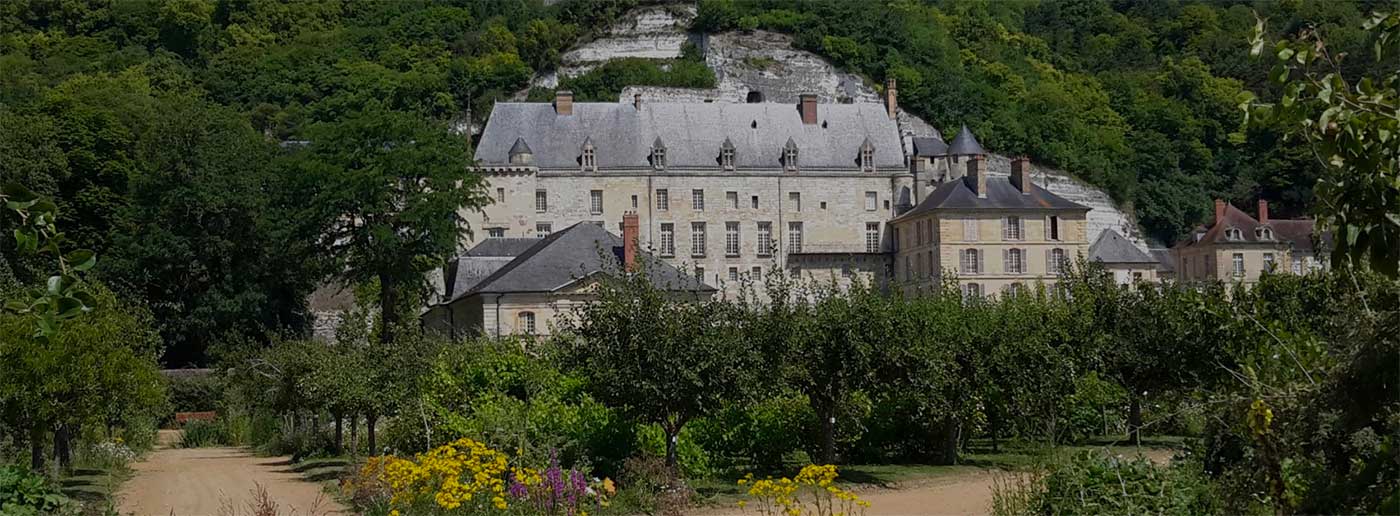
790 156
1234 234
1264 233
867 156
658 155
587 159
726 155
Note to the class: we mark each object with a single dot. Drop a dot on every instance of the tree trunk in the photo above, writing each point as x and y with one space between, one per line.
370 420
354 433
1135 419
945 443
672 436
36 448
62 451
826 411
339 433
995 425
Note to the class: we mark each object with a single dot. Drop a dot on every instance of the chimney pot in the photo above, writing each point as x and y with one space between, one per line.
1021 174
977 175
1219 211
891 98
808 107
1263 211
631 227
564 102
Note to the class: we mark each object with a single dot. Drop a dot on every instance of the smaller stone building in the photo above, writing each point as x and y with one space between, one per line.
1237 248
520 286
1122 259
994 234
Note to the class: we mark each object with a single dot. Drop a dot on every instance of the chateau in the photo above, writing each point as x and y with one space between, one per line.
1237 248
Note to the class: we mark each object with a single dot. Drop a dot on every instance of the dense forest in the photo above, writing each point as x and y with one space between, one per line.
165 129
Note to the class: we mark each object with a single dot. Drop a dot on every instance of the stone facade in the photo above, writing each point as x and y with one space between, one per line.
1237 248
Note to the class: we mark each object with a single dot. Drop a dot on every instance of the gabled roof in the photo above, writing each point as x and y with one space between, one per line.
1298 232
692 132
1001 195
965 144
1112 247
930 147
567 256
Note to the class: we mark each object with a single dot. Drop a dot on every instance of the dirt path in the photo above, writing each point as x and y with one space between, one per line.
961 494
217 482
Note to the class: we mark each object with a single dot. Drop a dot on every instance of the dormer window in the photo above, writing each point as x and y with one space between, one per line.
1234 234
1264 233
658 154
587 159
790 156
867 156
726 155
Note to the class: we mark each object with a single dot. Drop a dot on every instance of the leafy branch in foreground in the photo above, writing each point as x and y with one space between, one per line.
1353 129
62 295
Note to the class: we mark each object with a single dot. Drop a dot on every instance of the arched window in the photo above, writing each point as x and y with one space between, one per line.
972 290
1015 261
1234 234
790 155
1014 288
971 261
525 323
1264 233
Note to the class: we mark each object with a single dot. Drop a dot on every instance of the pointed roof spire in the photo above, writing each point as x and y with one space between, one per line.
520 148
790 144
965 144
657 144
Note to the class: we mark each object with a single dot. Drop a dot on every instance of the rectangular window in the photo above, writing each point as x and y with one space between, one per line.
794 237
731 239
847 271
970 230
971 261
500 195
496 233
663 199
527 322
754 200
872 199
922 266
908 272
733 274
668 239
541 201
697 239
765 239
1052 228
634 202
756 273
1011 228
1055 261
1269 261
732 198
697 200
700 274
795 201
872 237
595 201
1238 264
1297 266
1015 262
543 229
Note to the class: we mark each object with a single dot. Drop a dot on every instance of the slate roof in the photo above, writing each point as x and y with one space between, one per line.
501 247
1298 232
930 147
567 256
1165 263
1112 247
965 144
692 132
1001 195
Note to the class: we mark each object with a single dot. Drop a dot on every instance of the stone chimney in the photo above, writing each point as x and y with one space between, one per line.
637 101
808 106
891 98
1021 174
1263 211
630 229
564 102
1219 211
976 177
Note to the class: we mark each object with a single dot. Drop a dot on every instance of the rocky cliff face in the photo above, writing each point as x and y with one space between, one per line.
764 66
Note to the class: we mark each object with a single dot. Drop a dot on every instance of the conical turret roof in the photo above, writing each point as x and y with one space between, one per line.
965 144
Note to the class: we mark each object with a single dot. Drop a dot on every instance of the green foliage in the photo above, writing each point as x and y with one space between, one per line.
204 434
1095 482
1350 122
605 83
23 493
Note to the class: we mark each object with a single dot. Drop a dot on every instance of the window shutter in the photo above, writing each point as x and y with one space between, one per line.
1047 228
1025 260
981 263
1004 231
1005 260
962 261
1049 261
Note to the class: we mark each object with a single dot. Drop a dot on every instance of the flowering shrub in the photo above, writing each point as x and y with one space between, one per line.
110 454
468 477
812 492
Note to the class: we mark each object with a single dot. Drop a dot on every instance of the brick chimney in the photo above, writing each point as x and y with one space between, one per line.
564 102
1219 211
1021 174
808 106
630 229
976 177
637 101
1263 211
891 98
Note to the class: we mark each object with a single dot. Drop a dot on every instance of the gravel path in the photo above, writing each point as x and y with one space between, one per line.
218 482
961 494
